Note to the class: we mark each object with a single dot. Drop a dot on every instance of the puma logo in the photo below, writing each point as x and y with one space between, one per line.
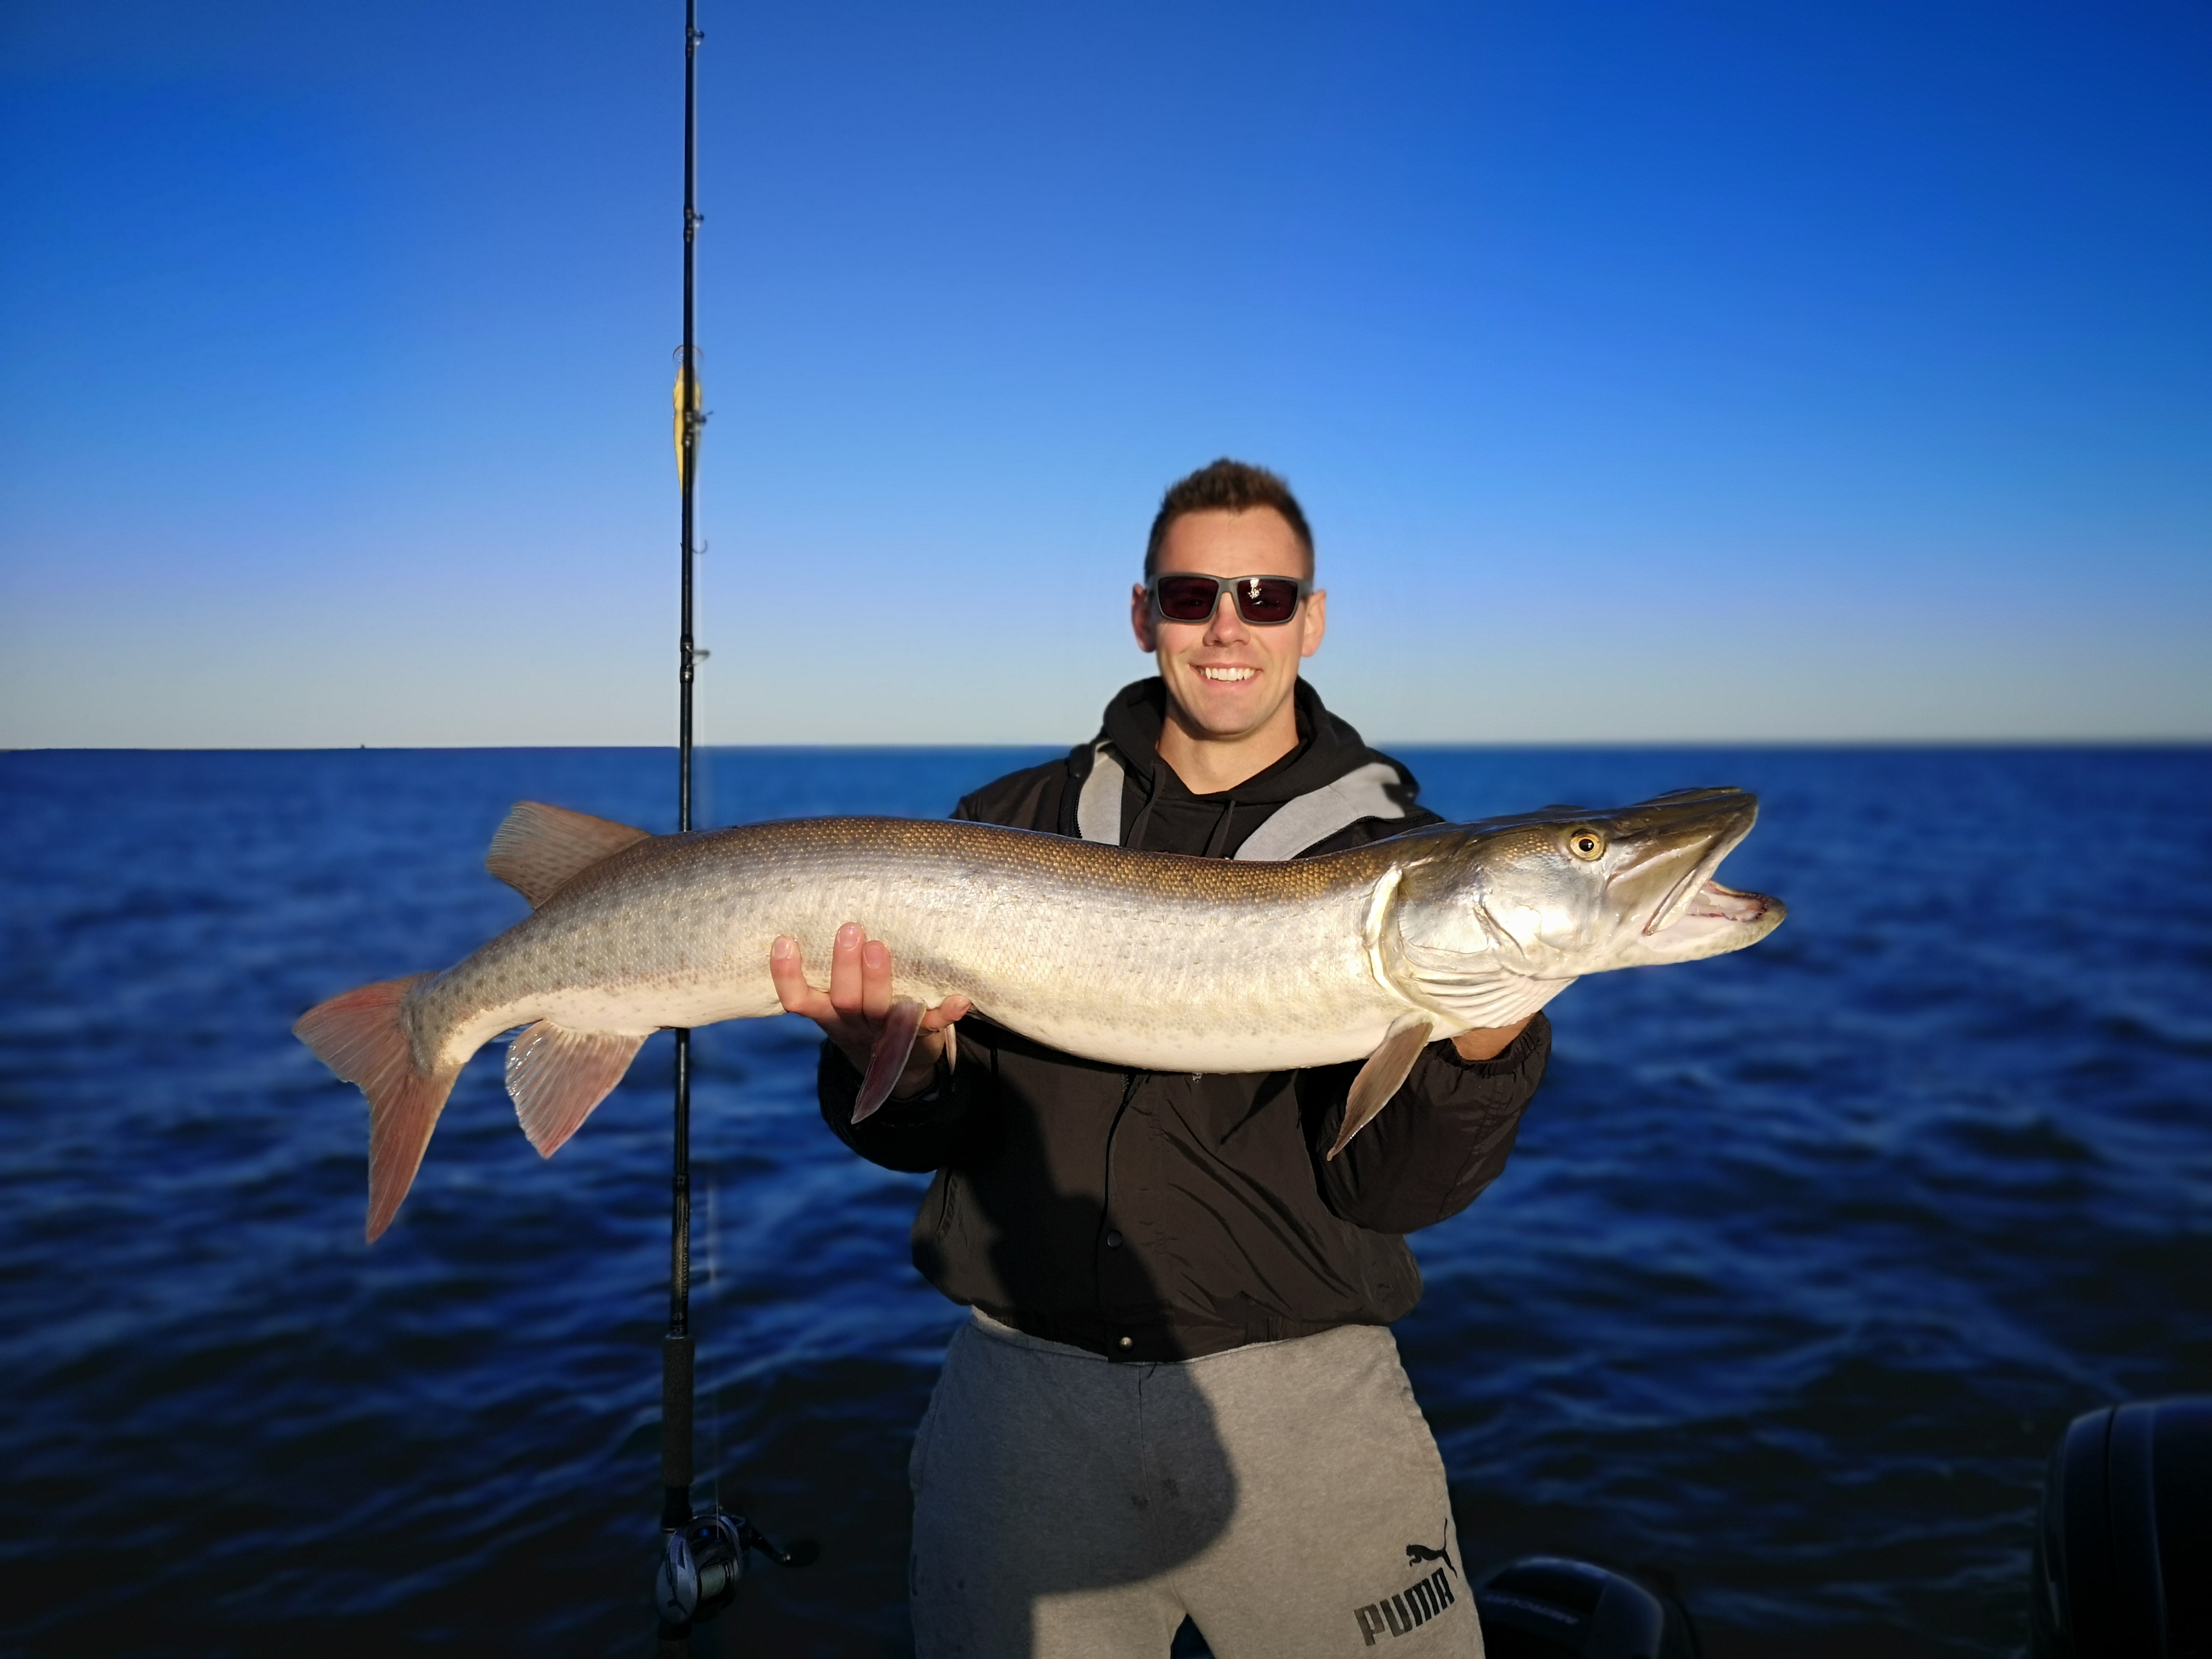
1417 1553
1425 1599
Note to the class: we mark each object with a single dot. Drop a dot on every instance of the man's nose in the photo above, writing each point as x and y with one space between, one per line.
1226 624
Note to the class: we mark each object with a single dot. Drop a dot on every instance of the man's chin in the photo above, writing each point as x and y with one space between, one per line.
1224 712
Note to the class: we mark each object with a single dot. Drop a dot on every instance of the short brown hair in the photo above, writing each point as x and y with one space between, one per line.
1227 486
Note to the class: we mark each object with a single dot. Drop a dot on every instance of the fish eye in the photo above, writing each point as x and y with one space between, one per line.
1586 843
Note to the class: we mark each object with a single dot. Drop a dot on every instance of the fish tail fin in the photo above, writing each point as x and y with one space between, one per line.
359 1035
556 1076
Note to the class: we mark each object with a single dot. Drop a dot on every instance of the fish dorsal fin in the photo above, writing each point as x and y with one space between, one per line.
540 849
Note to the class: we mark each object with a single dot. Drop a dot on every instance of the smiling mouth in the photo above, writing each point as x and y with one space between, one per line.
1227 676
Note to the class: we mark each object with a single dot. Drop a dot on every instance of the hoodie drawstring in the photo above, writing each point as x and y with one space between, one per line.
1219 839
1134 841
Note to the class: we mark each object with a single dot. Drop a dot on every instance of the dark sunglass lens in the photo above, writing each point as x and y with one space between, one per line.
1186 599
1267 599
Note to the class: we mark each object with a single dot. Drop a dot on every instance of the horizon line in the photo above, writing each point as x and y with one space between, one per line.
1949 743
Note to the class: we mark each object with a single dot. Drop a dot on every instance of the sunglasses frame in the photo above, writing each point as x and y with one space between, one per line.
1153 594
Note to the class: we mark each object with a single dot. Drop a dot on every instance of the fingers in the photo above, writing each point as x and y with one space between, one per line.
876 981
846 990
861 977
787 968
945 1012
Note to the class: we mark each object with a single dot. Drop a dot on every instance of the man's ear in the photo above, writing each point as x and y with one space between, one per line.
1140 620
1316 622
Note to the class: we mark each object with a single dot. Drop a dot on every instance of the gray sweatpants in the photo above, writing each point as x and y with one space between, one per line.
1287 1496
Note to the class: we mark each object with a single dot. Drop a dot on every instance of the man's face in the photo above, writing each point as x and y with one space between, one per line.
1229 678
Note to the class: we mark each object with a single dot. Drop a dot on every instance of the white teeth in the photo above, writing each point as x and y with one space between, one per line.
1227 674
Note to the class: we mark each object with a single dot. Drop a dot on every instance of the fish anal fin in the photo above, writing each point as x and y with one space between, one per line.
557 1075
360 1035
1383 1073
893 1047
540 849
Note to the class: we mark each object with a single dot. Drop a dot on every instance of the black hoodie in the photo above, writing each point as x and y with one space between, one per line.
1153 1216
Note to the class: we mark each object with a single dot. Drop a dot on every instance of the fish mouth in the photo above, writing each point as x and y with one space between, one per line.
1721 819
1713 903
1712 919
1696 883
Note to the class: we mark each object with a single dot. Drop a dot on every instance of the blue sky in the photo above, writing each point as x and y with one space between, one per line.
1692 371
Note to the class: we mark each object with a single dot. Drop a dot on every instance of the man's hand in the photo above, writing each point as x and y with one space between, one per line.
1484 1042
852 1013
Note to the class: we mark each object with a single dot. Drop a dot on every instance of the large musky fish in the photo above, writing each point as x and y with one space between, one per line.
1139 959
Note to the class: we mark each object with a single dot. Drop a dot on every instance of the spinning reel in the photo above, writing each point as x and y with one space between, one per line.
702 1561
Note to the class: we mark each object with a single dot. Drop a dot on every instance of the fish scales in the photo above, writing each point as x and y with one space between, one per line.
1153 961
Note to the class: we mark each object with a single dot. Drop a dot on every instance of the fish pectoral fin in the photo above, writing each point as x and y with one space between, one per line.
556 1076
893 1047
1383 1073
540 849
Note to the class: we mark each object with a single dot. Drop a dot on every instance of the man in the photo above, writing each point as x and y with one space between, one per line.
1179 1394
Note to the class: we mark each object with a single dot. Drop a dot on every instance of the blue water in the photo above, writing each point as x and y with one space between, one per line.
1805 1256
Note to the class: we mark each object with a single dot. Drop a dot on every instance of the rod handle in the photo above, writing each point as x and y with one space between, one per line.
676 1472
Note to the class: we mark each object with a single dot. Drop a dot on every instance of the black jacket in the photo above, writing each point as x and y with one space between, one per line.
1153 1216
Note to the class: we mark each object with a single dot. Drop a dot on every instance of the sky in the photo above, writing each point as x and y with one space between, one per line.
1676 372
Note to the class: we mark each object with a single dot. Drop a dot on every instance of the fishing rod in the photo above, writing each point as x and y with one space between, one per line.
703 1551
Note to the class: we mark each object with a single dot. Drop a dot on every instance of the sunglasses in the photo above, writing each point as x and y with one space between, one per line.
1263 601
